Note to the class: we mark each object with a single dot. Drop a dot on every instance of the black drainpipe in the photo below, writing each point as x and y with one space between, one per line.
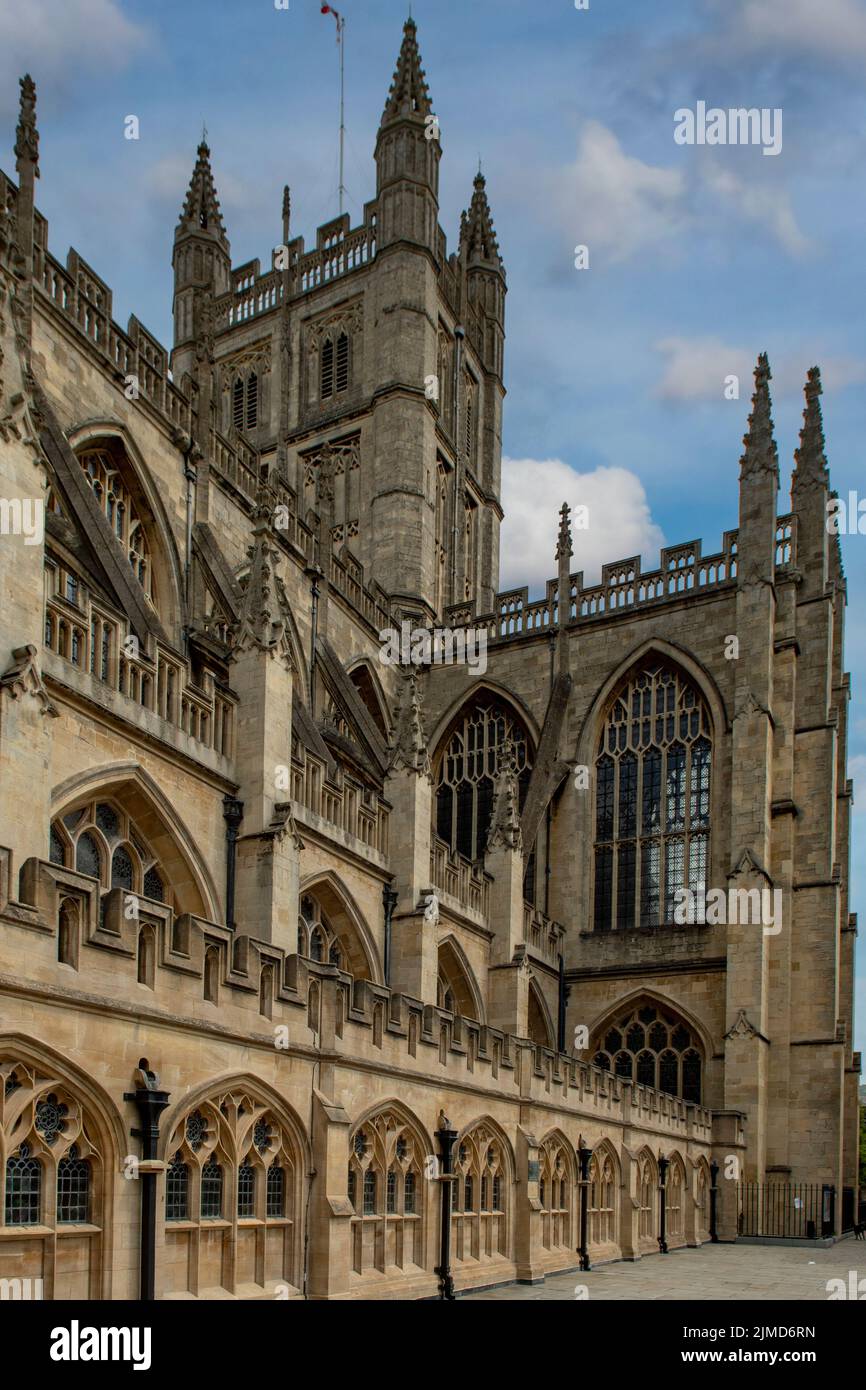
714 1193
150 1104
389 902
233 814
563 1002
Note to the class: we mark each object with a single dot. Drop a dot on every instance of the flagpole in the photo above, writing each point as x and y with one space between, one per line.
341 39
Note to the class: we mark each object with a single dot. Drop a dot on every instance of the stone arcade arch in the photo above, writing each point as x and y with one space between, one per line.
112 438
388 1191
61 1146
457 987
333 928
138 795
483 1201
237 1159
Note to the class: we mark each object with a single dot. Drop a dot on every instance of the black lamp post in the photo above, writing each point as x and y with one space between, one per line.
664 1164
446 1137
584 1154
714 1193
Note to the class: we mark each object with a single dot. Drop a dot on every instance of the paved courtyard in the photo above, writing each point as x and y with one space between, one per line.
709 1273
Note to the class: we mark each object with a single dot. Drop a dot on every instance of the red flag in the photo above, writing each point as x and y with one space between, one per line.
329 9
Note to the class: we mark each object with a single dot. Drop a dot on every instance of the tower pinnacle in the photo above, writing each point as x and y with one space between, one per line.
201 208
478 242
761 455
810 460
408 94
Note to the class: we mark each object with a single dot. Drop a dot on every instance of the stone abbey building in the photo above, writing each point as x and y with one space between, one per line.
275 917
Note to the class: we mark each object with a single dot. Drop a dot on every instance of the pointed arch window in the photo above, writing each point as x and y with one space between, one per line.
101 840
103 473
651 1046
652 801
466 772
386 1194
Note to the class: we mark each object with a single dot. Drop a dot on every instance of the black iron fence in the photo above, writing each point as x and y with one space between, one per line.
801 1211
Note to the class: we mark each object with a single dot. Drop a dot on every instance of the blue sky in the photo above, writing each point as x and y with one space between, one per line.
700 257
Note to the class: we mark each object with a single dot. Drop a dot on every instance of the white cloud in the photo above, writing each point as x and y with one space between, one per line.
533 490
695 369
829 28
55 40
614 203
765 204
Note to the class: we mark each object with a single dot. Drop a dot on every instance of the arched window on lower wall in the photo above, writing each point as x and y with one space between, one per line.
233 1198
675 1193
52 1184
481 1195
387 1192
556 1193
647 1187
603 1187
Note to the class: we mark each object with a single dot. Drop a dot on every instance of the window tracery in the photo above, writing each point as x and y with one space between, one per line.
652 803
101 840
479 1217
102 473
234 1176
651 1046
384 1187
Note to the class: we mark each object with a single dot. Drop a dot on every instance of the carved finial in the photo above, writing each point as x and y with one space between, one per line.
26 134
760 446
410 741
810 469
505 820
201 207
563 545
264 619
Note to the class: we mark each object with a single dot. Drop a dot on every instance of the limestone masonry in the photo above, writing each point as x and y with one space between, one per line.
306 909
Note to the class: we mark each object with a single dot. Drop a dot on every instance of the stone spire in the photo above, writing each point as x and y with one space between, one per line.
810 460
761 455
505 821
410 741
201 207
264 621
478 244
408 95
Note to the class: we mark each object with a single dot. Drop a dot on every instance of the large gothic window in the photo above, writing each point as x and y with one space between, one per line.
101 471
650 1046
467 770
652 803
